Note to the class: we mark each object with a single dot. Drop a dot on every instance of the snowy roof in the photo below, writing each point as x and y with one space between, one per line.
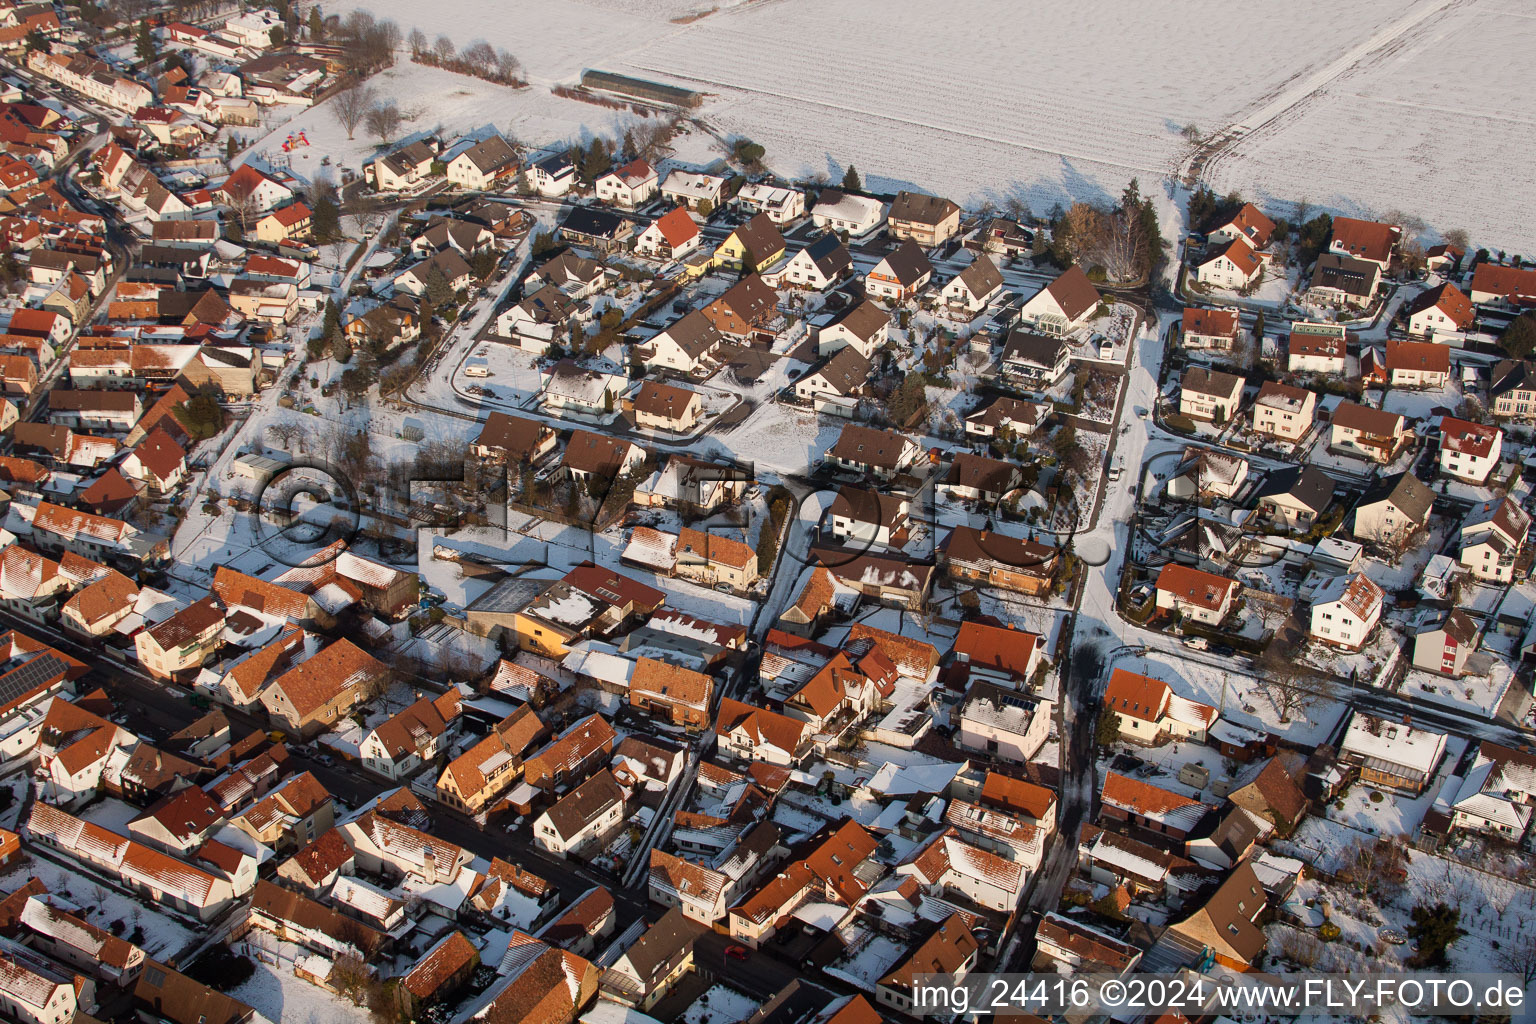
1393 743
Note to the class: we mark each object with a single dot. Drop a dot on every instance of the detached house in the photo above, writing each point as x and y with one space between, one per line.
1215 329
1006 419
855 216
1209 395
818 266
1148 712
976 477
700 192
1035 361
1315 347
1196 595
1469 451
552 175
883 454
713 559
1445 648
899 275
1417 364
671 692
1374 434
864 328
1513 389
1392 510
782 205
1345 611
1498 796
488 164
183 642
1392 755
582 820
1061 306
1364 240
1003 723
924 219
974 287
1491 538
1284 412
1232 265
1503 287
998 560
755 245
1439 312
671 236
312 696
1344 281
658 406
477 777
1248 224
413 737
757 734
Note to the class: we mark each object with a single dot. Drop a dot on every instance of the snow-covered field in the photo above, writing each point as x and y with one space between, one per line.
1067 102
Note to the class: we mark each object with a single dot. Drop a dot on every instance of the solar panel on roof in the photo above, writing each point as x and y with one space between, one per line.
40 670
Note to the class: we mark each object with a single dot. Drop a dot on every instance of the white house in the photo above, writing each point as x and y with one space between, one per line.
1209 395
1194 594
1204 473
1295 498
1315 347
1393 509
1345 611
1232 265
1469 451
484 165
694 190
632 185
687 346
553 175
1375 434
1147 711
1216 329
817 266
854 215
782 205
405 168
1284 412
671 236
1003 723
1491 538
974 287
579 821
1442 310
900 274
568 388
1248 224
947 863
864 328
1498 795
1061 306
1445 648
415 736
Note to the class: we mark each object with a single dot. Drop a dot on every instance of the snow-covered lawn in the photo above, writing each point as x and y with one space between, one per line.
276 993
719 1005
104 906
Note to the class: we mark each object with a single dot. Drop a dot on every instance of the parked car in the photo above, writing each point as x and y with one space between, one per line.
1197 643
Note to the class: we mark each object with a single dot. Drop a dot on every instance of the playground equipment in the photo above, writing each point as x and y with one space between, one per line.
294 141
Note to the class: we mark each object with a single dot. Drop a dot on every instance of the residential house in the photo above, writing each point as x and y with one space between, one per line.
514 440
1207 473
1232 265
441 971
671 236
1248 224
1513 388
715 559
1296 498
1492 536
883 454
94 410
658 406
1392 510
629 186
1150 808
1315 347
1209 395
924 219
589 455
310 697
1373 434
1147 711
1062 306
699 192
33 990
1194 594
900 275
184 642
862 518
1007 653
1003 723
950 950
1445 648
863 327
997 560
1440 312
848 215
582 820
1469 451
1503 287
477 777
1035 361
1275 794
1345 611
1497 795
159 463
757 734
1364 240
755 245
572 755
487 165
817 266
973 288
295 814
746 312
946 864
1006 419
1210 329
291 223
1225 930
782 205
1391 755
1417 364
1344 281
978 478
567 388
540 320
596 228
404 168
1068 944
246 188
552 176
834 384
447 265
405 741
650 968
679 695
689 345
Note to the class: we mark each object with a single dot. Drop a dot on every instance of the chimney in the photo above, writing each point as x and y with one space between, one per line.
429 866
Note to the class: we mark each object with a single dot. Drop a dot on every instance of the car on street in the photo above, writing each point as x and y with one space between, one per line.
736 952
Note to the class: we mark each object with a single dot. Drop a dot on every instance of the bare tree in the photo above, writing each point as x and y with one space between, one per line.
1191 133
508 66
417 41
1017 209
479 55
1287 684
1520 958
285 432
444 48
1459 238
383 121
350 106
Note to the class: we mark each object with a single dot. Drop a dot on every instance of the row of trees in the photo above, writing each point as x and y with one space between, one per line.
479 59
1122 245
